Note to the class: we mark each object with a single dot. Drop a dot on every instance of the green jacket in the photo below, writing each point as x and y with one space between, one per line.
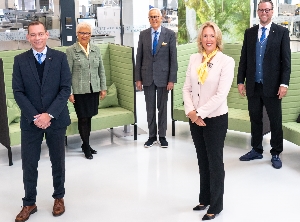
86 71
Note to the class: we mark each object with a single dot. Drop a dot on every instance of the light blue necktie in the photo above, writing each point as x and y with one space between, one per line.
155 42
263 34
39 55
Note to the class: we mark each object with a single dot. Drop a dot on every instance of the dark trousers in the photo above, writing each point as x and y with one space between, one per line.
209 143
30 151
273 108
162 101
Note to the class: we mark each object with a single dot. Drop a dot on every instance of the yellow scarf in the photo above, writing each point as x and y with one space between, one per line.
87 51
202 70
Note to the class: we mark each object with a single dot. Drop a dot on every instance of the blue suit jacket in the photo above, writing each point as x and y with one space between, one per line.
51 96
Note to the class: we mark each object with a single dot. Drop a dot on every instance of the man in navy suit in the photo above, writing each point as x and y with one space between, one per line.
265 64
42 85
156 71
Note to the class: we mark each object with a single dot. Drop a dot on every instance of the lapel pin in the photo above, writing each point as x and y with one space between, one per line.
164 43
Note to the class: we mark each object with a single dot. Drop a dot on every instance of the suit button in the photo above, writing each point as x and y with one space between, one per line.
198 94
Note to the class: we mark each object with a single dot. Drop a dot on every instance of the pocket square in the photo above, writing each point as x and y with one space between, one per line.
164 43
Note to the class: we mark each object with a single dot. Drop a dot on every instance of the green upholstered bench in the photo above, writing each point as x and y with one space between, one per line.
119 65
291 104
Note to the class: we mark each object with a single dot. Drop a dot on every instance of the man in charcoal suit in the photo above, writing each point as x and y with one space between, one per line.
156 72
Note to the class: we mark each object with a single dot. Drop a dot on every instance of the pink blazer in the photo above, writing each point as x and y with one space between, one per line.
209 99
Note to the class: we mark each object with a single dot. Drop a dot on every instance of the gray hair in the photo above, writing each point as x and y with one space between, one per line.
156 10
83 25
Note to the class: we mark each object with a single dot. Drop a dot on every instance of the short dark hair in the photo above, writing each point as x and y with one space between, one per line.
36 23
263 1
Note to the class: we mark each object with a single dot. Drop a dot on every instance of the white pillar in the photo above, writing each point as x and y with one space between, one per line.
135 18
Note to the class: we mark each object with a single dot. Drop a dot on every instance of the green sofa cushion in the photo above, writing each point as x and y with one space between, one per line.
111 98
13 112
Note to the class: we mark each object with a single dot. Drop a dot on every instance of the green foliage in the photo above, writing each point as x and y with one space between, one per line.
232 16
182 30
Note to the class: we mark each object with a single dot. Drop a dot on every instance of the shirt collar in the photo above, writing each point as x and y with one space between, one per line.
44 51
268 27
159 30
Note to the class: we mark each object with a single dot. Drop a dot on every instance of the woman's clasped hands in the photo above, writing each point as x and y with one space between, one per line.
196 119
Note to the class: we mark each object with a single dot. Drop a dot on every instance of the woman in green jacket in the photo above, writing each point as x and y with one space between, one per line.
88 82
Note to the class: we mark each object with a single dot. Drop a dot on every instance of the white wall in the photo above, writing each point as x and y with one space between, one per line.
135 15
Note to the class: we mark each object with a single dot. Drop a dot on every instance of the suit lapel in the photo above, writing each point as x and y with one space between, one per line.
31 60
148 39
48 62
161 39
253 40
271 36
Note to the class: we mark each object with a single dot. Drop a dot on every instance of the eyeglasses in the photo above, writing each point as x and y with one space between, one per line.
84 33
154 17
264 10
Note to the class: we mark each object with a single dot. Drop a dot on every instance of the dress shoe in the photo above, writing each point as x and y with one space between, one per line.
207 217
59 207
25 213
87 152
198 207
92 150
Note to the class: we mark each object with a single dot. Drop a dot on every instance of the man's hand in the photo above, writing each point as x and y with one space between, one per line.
138 85
282 92
170 86
102 94
242 90
42 120
71 98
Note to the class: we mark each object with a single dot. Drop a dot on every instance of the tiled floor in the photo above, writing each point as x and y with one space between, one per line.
126 182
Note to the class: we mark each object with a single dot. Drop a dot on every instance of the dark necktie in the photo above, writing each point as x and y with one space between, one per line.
155 41
263 34
39 57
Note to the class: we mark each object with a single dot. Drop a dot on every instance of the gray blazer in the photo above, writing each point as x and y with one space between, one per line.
160 68
86 71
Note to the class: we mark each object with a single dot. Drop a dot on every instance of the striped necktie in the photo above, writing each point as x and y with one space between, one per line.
39 57
263 34
155 42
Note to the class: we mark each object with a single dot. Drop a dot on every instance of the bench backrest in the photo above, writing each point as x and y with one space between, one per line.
118 64
183 57
291 103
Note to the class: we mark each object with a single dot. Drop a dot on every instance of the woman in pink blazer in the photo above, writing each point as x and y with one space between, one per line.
208 80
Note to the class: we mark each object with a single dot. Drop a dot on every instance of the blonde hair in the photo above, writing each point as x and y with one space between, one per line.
83 25
218 35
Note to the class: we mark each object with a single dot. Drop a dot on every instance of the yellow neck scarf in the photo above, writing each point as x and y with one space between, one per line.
87 51
202 70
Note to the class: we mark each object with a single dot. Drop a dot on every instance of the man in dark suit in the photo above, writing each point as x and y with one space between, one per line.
42 85
265 64
156 72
